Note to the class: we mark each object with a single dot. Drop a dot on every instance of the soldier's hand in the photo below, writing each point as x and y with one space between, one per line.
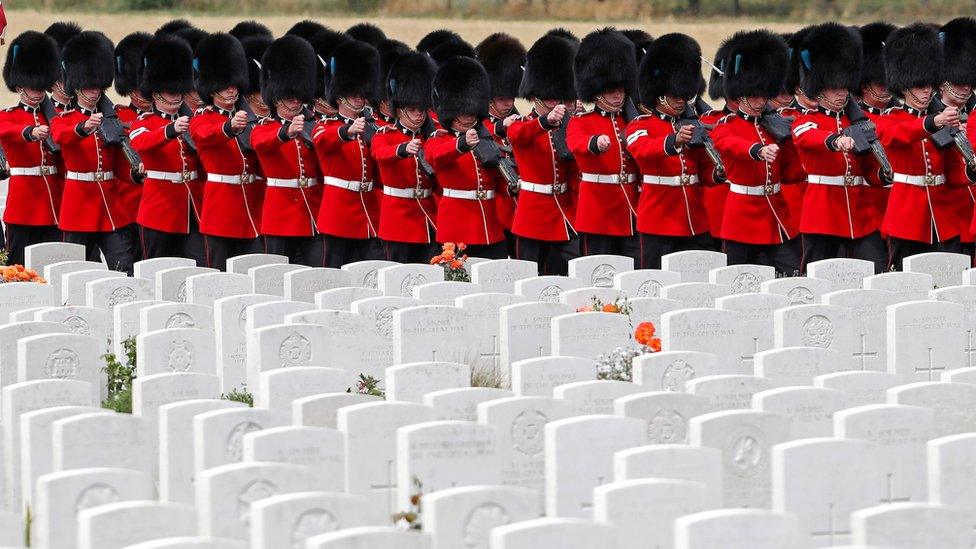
556 115
296 125
471 138
769 152
413 147
93 122
239 122
141 168
844 143
181 124
683 137
357 126
40 132
602 143
509 119
948 117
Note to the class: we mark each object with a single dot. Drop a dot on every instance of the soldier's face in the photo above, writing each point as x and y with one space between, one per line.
289 108
956 95
412 117
833 98
193 100
226 97
503 105
31 97
782 100
919 96
613 98
89 96
464 122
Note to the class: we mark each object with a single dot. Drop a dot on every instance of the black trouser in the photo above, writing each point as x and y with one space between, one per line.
340 251
653 247
498 250
824 246
785 257
552 257
511 244
899 249
599 244
410 252
220 248
300 250
191 245
19 237
118 247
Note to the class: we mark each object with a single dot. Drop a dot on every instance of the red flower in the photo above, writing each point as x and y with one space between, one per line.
644 333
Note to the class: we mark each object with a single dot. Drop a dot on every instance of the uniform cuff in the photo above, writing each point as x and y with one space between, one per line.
831 142
592 146
283 134
229 130
546 125
80 130
344 133
754 151
171 132
27 134
401 150
500 129
670 145
462 145
929 124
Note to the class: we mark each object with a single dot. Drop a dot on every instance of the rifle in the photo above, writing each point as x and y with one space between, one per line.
4 165
489 154
948 136
700 137
777 125
310 121
509 169
185 111
427 129
244 138
865 135
630 111
559 142
113 131
47 108
370 130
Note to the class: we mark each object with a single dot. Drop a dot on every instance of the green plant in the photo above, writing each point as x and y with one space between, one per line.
489 376
120 376
238 395
368 385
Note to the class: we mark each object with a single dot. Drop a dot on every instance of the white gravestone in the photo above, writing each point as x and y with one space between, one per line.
555 532
484 321
859 388
24 295
171 283
286 346
279 388
54 273
843 273
727 392
461 404
599 270
175 350
869 310
799 365
798 290
949 477
431 333
465 516
591 295
645 282
742 279
120 525
73 284
643 511
500 275
87 321
322 451
906 285
103 440
754 319
400 280
915 525
670 370
206 288
695 295
218 435
594 397
175 315
953 404
444 292
946 268
108 293
38 256
539 376
125 323
374 537
379 311
925 338
693 265
304 284
230 341
965 296
666 413
289 520
824 326
365 273
708 331
409 382
62 356
547 288
765 530
672 461
342 298
147 268
321 410
10 334
810 408
524 331
356 345
270 279
589 335
241 264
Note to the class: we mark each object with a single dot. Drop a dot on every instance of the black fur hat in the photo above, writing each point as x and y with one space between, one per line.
173 26
250 28
642 42
390 50
221 63
354 68
716 89
913 57
605 60
367 32
167 66
564 33
672 66
254 48
128 61
33 62
959 47
306 29
830 57
434 38
192 36
549 69
454 47
288 71
873 37
794 43
324 43
503 57
88 62
410 80
460 87
756 65
62 31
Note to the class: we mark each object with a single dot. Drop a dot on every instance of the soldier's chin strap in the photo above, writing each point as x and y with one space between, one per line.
758 110
948 88
173 104
822 99
410 122
29 99
92 101
677 110
603 104
343 101
880 97
924 104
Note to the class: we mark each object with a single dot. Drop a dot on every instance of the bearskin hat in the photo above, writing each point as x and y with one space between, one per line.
794 43
460 87
192 36
435 38
452 48
565 34
716 89
390 50
221 63
830 57
549 69
87 62
62 31
354 68
171 27
672 66
604 60
33 62
873 37
913 58
959 47
503 57
756 65
128 61
250 28
288 70
167 66
324 43
254 48
367 32
306 29
642 41
409 82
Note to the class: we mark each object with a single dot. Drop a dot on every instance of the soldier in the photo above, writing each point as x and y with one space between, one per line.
756 224
466 211
349 216
607 204
62 31
193 36
367 32
921 215
671 213
35 185
92 208
546 211
294 193
173 26
254 48
325 42
716 195
794 176
435 38
244 29
233 193
390 51
408 216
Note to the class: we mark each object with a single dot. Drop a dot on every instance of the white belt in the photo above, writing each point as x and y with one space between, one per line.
612 179
412 192
760 190
90 176
543 188
35 170
671 180
349 185
172 177
919 180
243 179
299 183
836 180
469 195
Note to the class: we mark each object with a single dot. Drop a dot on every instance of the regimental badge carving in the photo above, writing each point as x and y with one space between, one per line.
384 322
312 523
255 491
528 429
242 317
746 283
180 320
745 452
235 440
818 332
799 296
667 427
122 294
179 357
295 350
95 495
602 276
181 293
550 294
62 364
77 325
410 282
478 524
651 288
675 376
369 281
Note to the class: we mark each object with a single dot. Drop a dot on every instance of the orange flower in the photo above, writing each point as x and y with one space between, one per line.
462 246
455 264
644 333
655 344
584 309
449 247
611 308
448 255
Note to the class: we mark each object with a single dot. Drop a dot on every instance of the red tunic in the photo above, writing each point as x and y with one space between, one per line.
88 206
350 210
403 219
538 215
167 205
230 209
667 208
715 196
752 219
31 199
287 210
603 208
505 203
793 173
876 193
131 191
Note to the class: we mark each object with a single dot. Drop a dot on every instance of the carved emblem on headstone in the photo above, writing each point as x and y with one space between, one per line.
242 317
181 293
746 283
528 429
384 322
180 320
122 294
746 454
818 332
602 276
312 523
799 296
179 357
77 325
676 374
667 427
95 495
255 491
478 524
550 294
651 288
295 350
62 364
234 447
369 281
410 282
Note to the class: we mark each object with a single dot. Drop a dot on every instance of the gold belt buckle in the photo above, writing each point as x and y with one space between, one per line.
98 176
187 176
849 180
481 194
685 179
363 186
418 192
929 180
558 188
245 178
768 188
47 170
302 182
